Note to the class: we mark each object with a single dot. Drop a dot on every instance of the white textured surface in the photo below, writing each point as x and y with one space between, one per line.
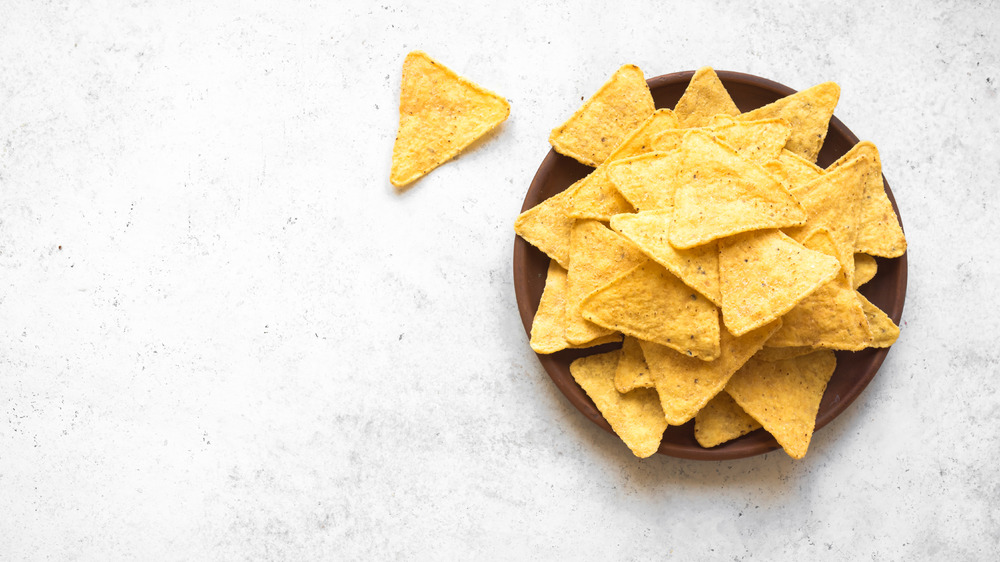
251 347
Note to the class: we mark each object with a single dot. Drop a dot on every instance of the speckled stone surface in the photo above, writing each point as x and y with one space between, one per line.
225 336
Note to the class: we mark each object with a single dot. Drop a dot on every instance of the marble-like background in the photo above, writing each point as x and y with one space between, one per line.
223 335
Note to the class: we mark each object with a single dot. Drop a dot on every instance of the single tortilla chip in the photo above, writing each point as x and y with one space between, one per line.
647 181
698 267
781 353
808 112
685 384
547 225
865 269
632 371
784 396
793 170
879 231
758 141
704 97
440 113
548 329
832 203
764 274
635 416
597 255
720 194
885 332
722 420
829 318
650 303
603 121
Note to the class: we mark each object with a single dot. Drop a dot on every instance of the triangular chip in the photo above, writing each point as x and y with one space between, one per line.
884 330
829 318
722 420
647 181
758 141
548 329
685 384
781 353
764 274
597 197
697 268
784 396
652 304
597 255
440 113
604 120
632 371
879 233
808 112
793 170
865 269
704 97
832 203
547 225
635 416
720 194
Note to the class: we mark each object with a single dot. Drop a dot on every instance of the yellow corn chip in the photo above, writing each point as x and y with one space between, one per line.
759 141
879 233
781 353
597 197
597 255
884 330
829 318
604 120
865 268
784 396
632 371
698 267
808 112
547 225
793 170
647 181
671 139
704 97
440 113
720 194
686 384
635 416
722 420
764 274
652 304
548 330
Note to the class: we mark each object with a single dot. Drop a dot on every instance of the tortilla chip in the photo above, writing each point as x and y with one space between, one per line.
650 303
647 181
597 197
758 141
879 232
548 329
632 371
722 420
829 318
671 139
832 203
440 113
865 269
686 384
793 170
597 255
704 97
784 396
547 225
698 267
764 274
781 353
721 194
808 112
635 416
884 330
603 121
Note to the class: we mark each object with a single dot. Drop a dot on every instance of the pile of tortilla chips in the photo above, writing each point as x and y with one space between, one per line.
710 242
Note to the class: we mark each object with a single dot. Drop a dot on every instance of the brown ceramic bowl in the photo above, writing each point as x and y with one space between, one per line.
854 370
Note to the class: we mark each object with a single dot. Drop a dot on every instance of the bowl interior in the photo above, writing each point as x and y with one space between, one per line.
886 290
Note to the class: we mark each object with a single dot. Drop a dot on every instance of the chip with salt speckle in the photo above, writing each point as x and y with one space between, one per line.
548 329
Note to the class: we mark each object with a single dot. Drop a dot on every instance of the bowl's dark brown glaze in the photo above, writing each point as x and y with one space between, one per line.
854 370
